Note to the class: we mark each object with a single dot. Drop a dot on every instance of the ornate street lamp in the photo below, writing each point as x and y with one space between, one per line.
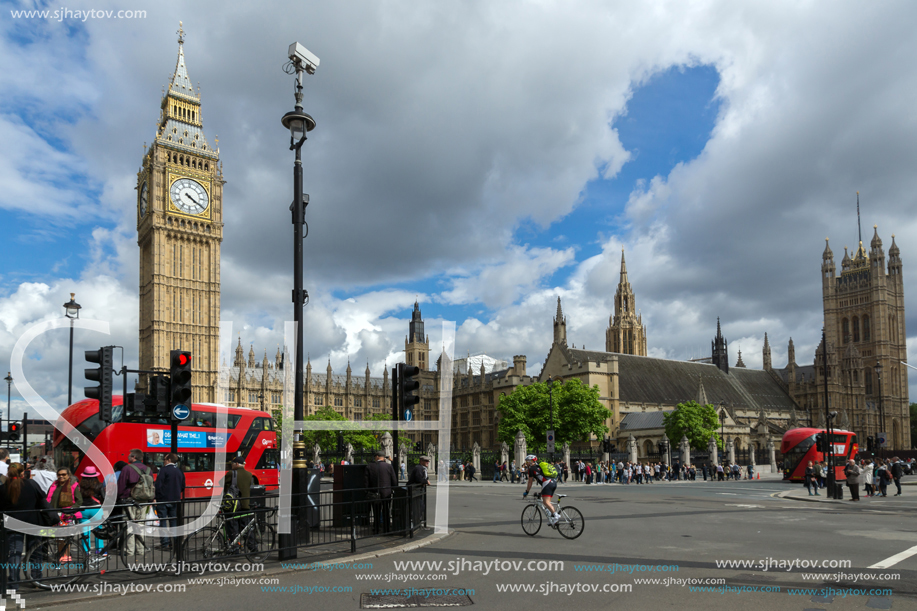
71 311
9 384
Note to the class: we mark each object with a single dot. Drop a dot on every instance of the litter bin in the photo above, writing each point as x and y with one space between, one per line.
839 491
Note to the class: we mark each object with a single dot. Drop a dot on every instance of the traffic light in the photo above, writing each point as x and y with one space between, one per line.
821 443
157 400
870 444
103 375
180 373
13 434
408 396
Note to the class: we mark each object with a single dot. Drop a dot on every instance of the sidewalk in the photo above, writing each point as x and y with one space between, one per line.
799 493
769 477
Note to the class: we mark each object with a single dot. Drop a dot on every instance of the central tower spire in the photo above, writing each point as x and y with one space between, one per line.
626 333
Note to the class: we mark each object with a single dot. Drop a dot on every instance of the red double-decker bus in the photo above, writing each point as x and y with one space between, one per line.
798 448
249 433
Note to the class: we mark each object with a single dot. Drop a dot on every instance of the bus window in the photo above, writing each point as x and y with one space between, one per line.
270 459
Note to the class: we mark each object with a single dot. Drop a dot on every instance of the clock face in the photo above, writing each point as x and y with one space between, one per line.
144 196
189 196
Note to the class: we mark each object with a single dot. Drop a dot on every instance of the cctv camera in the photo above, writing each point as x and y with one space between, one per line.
301 55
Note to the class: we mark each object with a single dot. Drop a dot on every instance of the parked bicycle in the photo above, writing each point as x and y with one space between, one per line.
256 538
570 525
64 560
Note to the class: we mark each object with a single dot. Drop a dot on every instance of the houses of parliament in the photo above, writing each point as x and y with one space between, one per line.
180 215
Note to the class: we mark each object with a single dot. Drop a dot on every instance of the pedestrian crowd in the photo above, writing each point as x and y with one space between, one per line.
873 475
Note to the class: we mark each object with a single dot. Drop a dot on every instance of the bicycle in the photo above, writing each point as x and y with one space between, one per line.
570 525
257 538
64 560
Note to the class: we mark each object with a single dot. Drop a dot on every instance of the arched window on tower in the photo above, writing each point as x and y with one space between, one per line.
856 329
867 378
866 333
845 330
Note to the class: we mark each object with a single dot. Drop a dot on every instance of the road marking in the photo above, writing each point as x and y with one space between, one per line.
740 505
728 493
893 560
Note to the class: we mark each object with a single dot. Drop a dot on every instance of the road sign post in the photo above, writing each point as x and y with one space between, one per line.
551 443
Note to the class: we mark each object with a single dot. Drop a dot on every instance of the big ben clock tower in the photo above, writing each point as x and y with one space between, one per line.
179 230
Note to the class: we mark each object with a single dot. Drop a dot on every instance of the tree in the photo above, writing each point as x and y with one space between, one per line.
694 421
578 413
328 440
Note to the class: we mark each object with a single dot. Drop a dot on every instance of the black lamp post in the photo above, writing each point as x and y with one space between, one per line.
551 407
878 369
71 311
9 384
299 123
261 398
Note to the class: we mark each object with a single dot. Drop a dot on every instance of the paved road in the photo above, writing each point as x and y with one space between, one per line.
677 531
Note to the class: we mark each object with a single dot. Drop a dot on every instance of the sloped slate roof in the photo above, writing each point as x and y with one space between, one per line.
640 421
659 381
803 372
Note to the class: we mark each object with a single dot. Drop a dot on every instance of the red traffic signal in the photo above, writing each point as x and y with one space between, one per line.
14 427
184 358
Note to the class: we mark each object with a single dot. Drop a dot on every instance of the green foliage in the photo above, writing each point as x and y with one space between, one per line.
578 413
694 421
328 440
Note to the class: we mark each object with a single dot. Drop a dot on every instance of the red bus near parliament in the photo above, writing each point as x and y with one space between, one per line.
798 448
249 433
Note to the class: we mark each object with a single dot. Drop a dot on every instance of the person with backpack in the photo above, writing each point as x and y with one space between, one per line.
135 484
546 475
91 491
170 487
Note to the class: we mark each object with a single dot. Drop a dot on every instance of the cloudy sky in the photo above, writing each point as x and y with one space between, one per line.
481 157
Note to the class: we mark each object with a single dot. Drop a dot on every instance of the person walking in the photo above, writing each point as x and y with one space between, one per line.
91 491
811 479
170 487
420 479
65 494
129 478
23 499
379 479
852 471
512 472
868 472
496 471
897 472
504 475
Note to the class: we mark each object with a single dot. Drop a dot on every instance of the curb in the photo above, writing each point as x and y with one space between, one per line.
407 547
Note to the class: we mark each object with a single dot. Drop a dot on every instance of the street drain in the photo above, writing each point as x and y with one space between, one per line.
386 601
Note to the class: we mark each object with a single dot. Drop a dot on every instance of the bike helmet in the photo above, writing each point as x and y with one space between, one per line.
531 457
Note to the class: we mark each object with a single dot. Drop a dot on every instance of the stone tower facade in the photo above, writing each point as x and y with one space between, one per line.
179 231
720 349
626 333
417 344
560 326
864 323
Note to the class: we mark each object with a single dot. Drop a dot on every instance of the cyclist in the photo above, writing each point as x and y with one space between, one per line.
548 486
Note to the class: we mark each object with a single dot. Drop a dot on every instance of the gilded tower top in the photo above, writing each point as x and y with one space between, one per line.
180 124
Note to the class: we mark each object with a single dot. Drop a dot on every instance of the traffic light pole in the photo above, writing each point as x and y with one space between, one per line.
396 401
832 476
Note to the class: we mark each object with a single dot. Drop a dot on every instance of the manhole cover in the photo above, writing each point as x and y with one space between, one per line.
387 601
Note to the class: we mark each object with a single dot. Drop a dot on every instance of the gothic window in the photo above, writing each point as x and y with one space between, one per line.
338 402
866 333
232 396
358 416
845 330
317 400
252 397
357 402
867 378
856 375
375 402
856 329
476 419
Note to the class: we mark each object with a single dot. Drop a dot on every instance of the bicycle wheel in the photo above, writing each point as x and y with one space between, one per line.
210 541
571 523
262 541
55 561
531 520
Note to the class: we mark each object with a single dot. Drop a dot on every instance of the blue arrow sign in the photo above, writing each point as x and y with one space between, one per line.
408 415
181 412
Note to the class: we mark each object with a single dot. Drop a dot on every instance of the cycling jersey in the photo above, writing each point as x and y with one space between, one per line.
548 484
